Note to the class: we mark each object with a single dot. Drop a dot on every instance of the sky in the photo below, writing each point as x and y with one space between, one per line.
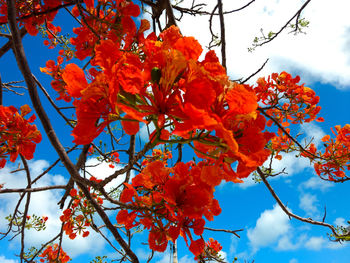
321 57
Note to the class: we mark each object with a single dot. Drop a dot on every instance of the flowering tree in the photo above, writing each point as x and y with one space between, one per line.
113 76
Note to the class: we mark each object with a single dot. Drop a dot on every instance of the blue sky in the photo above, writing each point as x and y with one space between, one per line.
322 59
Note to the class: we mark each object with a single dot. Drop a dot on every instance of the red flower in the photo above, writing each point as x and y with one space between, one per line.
74 77
130 127
197 246
17 135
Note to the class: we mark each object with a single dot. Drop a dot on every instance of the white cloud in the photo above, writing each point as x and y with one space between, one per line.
339 221
5 260
186 259
92 244
315 243
289 164
146 130
43 203
163 257
293 260
233 245
302 53
308 203
286 243
142 254
312 132
271 225
101 170
315 183
222 255
247 182
336 245
319 242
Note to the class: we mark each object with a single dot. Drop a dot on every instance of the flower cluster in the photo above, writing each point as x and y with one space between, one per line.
51 33
51 255
36 222
170 202
75 218
160 80
287 101
32 13
111 21
163 82
211 250
113 159
17 134
332 163
55 71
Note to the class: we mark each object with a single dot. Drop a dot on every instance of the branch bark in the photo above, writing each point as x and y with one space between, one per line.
289 213
70 167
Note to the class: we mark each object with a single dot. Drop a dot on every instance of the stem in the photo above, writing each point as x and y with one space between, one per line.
288 213
223 39
26 208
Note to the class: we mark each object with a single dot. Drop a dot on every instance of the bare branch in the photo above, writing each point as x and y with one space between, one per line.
198 11
8 45
296 15
26 72
225 230
31 190
26 207
256 72
290 214
51 101
223 39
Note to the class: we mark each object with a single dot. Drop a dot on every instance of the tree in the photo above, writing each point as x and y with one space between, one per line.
113 76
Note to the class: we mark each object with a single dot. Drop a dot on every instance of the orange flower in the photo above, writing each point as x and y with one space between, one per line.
51 254
130 127
197 246
17 135
74 77
241 100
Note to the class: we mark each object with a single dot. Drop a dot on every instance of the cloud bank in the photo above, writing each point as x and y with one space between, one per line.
322 54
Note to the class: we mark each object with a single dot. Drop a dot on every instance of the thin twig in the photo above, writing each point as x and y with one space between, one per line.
290 214
52 102
31 190
131 153
26 207
191 10
225 230
223 39
8 45
296 15
256 72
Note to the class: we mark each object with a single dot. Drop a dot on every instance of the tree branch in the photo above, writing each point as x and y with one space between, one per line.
223 39
26 207
225 230
256 72
70 167
296 15
31 190
8 45
290 214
